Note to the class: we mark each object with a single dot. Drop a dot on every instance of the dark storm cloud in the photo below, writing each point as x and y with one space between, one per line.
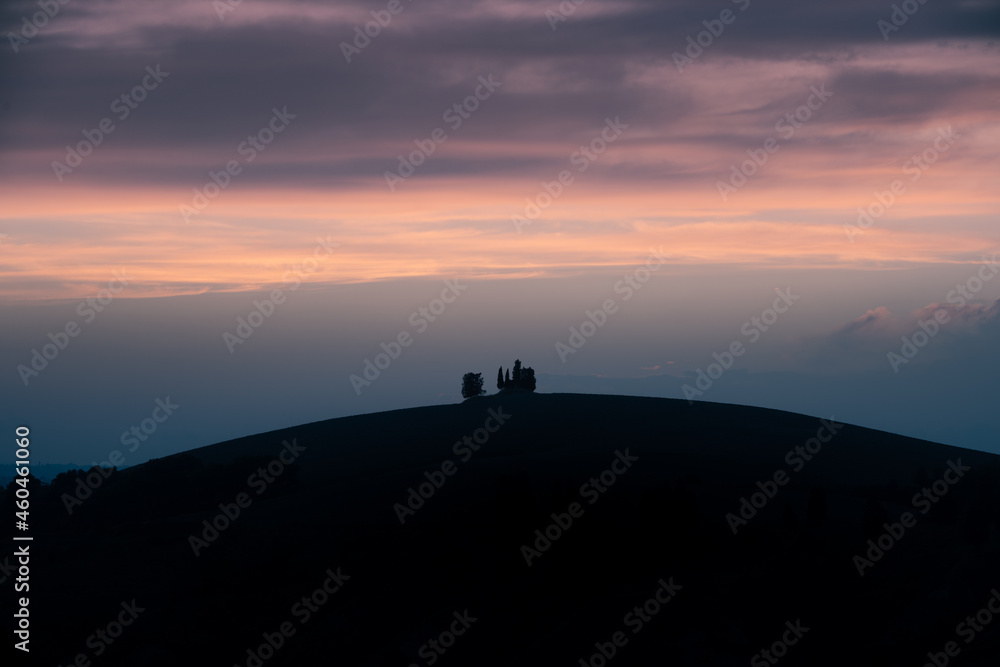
227 74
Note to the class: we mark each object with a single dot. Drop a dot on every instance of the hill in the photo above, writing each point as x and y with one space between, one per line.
532 530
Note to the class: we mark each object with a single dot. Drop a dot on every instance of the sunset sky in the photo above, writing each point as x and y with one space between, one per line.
744 161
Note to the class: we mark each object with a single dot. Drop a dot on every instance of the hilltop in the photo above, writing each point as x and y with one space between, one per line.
539 529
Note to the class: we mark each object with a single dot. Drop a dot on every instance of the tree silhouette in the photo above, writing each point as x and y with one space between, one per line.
522 378
528 378
472 385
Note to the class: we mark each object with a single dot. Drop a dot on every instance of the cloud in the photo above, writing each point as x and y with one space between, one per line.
863 344
657 184
877 319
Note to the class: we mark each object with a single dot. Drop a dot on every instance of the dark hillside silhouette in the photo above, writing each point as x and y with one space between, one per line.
608 498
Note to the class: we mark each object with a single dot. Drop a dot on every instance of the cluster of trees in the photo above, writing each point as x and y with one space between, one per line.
520 379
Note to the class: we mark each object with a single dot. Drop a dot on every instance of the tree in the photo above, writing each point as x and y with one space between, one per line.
528 378
472 385
523 377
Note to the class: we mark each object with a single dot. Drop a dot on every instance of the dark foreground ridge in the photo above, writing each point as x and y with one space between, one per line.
526 529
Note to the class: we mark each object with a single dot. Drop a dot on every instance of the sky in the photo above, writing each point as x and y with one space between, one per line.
235 207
